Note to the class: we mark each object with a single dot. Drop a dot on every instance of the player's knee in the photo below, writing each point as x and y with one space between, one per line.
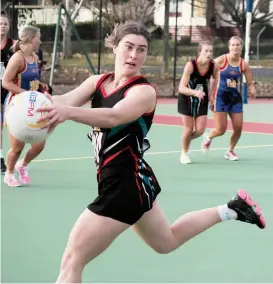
199 132
38 148
72 261
221 131
237 130
163 248
188 130
17 150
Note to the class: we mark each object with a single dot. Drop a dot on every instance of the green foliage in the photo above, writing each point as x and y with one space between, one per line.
25 16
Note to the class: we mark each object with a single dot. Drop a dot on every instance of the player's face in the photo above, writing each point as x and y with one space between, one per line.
206 52
235 47
131 53
36 41
4 25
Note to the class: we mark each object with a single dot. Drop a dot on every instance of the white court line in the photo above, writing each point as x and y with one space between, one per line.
151 153
250 132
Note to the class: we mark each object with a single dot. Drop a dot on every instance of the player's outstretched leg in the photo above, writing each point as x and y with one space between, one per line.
156 232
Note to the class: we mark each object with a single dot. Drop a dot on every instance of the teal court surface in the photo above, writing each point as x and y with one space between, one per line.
36 219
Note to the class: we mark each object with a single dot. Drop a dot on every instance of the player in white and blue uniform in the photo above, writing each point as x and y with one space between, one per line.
227 98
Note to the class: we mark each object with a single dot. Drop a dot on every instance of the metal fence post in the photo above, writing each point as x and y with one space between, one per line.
258 49
175 50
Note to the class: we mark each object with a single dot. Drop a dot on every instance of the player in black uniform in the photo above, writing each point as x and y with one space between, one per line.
6 44
194 96
123 106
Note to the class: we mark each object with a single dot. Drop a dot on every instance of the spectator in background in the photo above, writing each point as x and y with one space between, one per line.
6 44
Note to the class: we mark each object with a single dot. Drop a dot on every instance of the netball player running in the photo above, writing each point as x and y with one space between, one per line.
194 96
6 44
123 106
228 100
22 74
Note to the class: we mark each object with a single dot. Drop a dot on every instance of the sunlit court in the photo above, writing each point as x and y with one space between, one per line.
37 219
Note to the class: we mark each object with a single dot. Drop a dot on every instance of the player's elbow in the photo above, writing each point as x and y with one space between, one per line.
8 85
5 84
182 89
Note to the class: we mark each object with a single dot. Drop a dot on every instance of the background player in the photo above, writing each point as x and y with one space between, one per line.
123 105
22 73
6 44
227 99
194 96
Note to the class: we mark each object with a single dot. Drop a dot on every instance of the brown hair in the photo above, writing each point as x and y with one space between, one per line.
25 36
236 38
121 30
4 14
200 46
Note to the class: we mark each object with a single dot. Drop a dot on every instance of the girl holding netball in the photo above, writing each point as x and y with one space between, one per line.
22 74
123 107
194 96
227 99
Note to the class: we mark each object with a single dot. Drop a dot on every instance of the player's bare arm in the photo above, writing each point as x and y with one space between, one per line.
183 86
139 100
214 81
79 96
249 79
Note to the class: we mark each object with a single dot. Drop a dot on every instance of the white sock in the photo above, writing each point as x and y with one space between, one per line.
1 154
226 213
208 138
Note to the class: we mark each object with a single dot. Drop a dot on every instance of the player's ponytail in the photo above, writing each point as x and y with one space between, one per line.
26 34
16 46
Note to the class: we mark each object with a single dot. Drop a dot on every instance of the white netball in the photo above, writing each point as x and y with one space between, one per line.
21 117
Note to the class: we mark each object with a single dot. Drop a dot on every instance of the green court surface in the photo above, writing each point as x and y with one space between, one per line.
37 219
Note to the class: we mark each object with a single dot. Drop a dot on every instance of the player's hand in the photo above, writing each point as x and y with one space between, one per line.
252 92
43 87
211 103
211 106
200 95
54 99
53 115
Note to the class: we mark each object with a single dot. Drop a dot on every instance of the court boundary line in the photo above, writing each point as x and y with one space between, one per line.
150 153
228 130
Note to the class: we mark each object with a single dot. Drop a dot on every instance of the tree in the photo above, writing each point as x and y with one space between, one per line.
236 10
73 7
120 11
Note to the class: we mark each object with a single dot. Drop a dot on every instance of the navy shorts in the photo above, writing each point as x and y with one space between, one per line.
229 101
